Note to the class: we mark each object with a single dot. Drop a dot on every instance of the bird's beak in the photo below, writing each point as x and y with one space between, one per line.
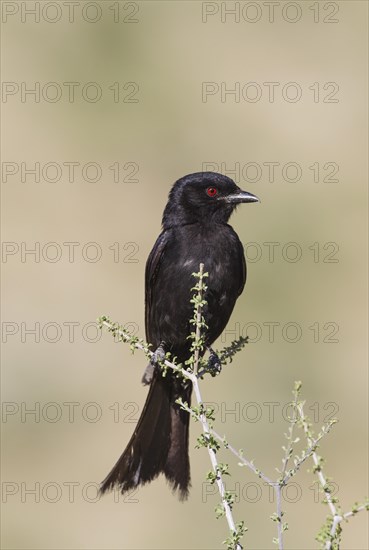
241 196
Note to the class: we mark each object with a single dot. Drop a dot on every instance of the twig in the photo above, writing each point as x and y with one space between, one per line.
197 347
316 461
307 454
323 482
214 462
198 319
209 433
278 492
139 344
289 449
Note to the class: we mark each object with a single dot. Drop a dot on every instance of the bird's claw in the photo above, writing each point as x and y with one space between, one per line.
157 357
214 364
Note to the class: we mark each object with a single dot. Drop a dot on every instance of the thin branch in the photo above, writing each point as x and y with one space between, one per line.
354 512
316 461
241 458
323 482
289 449
198 347
139 344
307 454
278 492
208 432
214 462
198 319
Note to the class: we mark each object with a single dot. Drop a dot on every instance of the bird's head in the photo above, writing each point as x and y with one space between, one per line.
203 197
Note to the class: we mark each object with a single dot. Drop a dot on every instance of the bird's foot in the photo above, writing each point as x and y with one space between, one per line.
214 366
157 357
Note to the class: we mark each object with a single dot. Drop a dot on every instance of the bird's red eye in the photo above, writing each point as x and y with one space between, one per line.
211 191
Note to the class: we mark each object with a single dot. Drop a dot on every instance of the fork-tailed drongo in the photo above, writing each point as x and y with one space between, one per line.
195 230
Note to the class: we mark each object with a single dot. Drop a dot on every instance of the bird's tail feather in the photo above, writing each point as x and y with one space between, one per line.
159 443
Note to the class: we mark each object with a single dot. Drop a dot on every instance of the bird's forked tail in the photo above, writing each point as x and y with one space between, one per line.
159 443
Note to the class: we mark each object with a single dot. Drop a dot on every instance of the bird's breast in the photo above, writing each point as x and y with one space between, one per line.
219 249
216 247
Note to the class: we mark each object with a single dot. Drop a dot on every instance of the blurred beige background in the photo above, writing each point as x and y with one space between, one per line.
85 389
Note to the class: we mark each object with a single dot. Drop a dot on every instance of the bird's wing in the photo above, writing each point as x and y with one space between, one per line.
243 267
152 268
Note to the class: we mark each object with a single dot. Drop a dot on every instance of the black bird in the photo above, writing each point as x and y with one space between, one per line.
195 230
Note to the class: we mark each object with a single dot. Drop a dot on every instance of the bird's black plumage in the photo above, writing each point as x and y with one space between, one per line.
195 230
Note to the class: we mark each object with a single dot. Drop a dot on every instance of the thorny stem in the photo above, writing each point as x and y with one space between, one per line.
286 475
214 462
202 417
321 477
336 517
278 492
288 449
193 378
198 318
